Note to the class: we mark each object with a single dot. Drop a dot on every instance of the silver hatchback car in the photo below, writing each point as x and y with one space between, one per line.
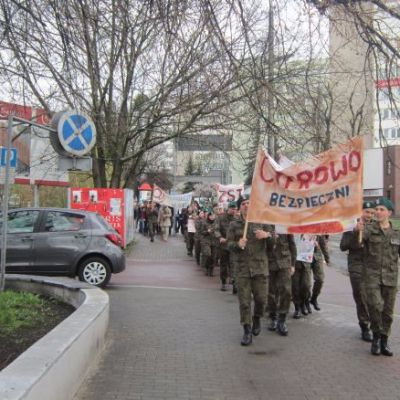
59 241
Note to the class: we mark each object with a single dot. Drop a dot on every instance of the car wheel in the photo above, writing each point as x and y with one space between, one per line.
96 271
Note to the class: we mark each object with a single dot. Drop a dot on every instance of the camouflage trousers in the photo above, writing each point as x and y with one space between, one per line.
152 229
301 283
360 298
197 249
189 242
248 286
317 268
381 300
208 256
280 291
225 271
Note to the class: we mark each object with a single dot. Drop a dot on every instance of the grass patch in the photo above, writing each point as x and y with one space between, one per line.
20 310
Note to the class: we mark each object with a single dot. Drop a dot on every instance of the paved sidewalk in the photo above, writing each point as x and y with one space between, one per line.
174 335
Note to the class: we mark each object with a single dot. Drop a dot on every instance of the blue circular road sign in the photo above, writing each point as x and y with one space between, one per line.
76 133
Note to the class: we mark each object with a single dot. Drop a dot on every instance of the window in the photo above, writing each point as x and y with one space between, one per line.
386 133
57 221
385 114
388 168
21 221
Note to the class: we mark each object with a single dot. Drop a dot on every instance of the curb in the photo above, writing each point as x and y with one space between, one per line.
54 367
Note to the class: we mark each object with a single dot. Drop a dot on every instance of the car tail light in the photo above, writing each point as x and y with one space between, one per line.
115 238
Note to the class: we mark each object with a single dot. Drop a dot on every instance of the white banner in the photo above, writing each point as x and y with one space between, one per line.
305 247
177 201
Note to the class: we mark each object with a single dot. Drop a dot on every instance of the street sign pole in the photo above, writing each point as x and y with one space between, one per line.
6 192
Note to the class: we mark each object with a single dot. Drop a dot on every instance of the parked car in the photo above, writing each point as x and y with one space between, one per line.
59 241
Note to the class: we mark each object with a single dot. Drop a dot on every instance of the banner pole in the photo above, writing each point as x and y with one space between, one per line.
360 236
246 225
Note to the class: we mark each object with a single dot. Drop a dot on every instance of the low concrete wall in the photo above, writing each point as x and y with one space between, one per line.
54 367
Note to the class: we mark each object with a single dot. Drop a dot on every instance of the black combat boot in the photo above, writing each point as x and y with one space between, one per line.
314 302
303 309
376 344
366 334
247 338
385 349
308 306
296 314
256 329
274 322
282 327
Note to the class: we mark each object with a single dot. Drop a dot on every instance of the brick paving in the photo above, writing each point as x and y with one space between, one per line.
174 335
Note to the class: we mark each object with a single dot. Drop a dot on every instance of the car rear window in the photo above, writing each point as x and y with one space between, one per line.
104 223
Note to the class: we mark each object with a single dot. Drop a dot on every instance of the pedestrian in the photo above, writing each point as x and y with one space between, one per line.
281 250
321 256
197 237
152 220
382 247
164 221
249 257
222 223
191 230
209 244
355 265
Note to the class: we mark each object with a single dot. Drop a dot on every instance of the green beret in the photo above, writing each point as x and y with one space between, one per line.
232 204
368 204
383 201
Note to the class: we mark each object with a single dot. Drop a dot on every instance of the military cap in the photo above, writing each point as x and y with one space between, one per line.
368 204
383 201
232 204
242 198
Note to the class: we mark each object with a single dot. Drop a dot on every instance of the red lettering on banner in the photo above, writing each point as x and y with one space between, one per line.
336 175
320 175
354 160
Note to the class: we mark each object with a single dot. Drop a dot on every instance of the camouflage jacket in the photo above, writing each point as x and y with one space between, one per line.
207 236
152 216
221 228
252 260
382 248
355 255
281 250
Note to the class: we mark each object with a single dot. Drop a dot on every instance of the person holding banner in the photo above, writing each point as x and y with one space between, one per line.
221 229
250 262
282 253
301 279
382 248
321 255
355 264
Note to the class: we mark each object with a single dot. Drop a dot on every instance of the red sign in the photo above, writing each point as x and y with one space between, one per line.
25 112
109 203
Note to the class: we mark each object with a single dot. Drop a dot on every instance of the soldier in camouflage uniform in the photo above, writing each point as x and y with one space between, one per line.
382 248
355 260
301 287
199 219
317 267
250 262
209 244
281 250
221 229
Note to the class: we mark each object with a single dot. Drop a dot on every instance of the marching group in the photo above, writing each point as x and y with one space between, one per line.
263 267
